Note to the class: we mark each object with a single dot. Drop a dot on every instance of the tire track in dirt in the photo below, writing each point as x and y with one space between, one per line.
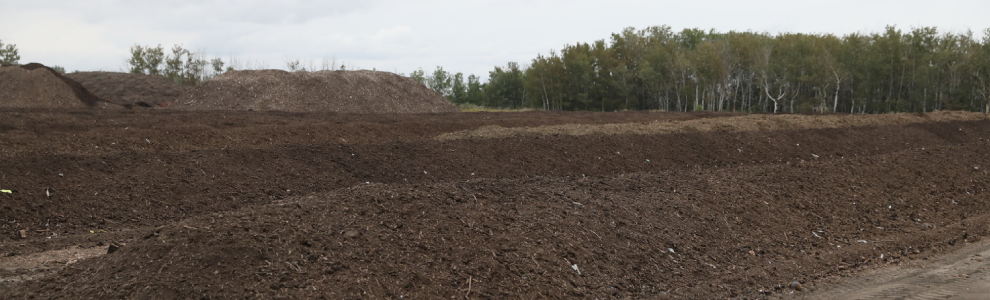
14 269
744 123
962 274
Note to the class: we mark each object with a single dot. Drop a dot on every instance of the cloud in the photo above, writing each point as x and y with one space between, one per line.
465 36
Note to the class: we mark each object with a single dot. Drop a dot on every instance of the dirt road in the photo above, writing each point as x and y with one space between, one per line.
962 274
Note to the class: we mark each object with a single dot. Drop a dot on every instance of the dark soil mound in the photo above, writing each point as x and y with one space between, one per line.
237 204
323 91
37 86
704 233
128 88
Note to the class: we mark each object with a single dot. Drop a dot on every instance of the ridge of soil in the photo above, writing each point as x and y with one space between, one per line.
323 91
38 86
741 123
247 204
128 88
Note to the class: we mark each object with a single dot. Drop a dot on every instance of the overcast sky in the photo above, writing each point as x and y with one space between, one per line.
400 36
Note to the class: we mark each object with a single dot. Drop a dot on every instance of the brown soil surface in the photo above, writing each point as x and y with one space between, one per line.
37 86
323 91
139 90
241 204
744 123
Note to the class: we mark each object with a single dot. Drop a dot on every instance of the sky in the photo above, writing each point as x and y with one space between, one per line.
402 36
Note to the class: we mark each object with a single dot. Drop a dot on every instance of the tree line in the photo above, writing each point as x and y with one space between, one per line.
192 68
180 66
656 68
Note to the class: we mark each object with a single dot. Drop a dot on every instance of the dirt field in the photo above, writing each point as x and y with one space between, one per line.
236 204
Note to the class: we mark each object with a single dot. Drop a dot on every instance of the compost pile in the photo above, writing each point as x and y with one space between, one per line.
324 91
37 86
129 88
238 204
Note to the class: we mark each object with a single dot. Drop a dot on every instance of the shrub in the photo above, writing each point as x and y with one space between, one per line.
8 55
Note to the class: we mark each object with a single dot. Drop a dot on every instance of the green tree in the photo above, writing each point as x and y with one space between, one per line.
217 65
185 67
440 81
154 56
655 68
544 83
773 75
194 69
9 55
505 87
458 89
835 71
181 66
579 80
923 45
146 59
136 63
982 67
173 64
475 92
418 75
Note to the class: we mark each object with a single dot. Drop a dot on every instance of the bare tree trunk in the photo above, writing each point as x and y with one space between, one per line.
731 98
780 94
835 103
666 100
823 96
795 96
695 97
721 97
546 96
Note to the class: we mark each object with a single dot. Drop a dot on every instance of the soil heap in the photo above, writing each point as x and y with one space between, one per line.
129 88
324 91
237 204
37 86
